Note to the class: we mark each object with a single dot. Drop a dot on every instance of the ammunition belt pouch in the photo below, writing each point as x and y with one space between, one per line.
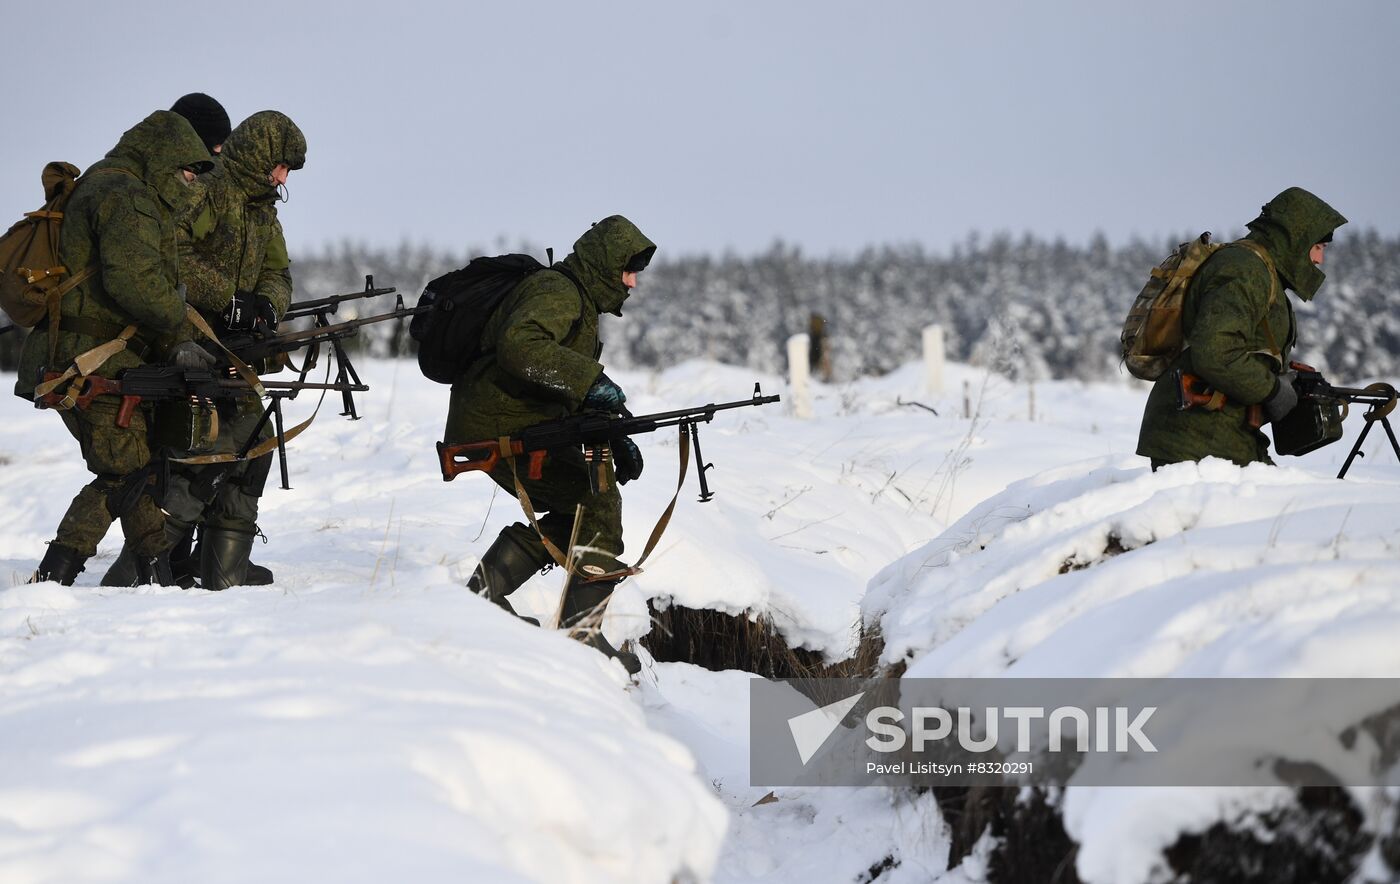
1312 424
184 426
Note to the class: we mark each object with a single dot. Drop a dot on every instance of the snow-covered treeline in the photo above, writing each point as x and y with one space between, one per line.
1032 308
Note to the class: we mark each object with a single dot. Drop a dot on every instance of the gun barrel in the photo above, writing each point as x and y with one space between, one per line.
702 413
329 303
285 342
1373 393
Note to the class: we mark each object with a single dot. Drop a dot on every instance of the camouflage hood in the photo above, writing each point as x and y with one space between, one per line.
600 256
256 146
155 150
1288 226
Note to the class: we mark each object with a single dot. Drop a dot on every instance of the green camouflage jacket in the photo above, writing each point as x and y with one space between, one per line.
541 345
230 238
1235 341
122 218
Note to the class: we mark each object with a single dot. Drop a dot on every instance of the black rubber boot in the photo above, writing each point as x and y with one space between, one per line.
503 569
582 616
223 557
186 567
60 564
154 570
123 570
126 571
257 575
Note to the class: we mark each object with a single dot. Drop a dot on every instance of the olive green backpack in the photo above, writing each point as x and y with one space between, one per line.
32 278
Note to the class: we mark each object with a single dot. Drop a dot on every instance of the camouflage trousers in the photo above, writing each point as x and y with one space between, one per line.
556 496
120 460
223 495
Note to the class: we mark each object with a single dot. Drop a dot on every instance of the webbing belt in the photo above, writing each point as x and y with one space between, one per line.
96 328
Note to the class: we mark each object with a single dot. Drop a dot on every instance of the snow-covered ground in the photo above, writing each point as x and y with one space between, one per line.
365 719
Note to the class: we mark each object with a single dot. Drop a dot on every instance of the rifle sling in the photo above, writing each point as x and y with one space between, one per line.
244 370
84 364
564 561
265 447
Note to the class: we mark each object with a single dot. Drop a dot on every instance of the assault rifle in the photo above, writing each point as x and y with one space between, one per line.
594 431
1316 420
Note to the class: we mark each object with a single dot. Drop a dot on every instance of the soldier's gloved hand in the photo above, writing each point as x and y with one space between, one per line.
189 355
266 313
241 312
605 395
1283 399
627 459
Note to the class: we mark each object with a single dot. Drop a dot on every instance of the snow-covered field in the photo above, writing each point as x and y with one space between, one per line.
365 719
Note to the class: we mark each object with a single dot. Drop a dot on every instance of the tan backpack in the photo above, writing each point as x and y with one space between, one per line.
32 279
1151 336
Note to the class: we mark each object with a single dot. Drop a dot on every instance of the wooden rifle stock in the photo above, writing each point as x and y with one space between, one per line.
466 457
1193 392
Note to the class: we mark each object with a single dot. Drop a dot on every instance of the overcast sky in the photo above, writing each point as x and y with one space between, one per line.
719 125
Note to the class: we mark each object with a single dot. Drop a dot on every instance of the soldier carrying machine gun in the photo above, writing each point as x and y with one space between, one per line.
203 389
1317 419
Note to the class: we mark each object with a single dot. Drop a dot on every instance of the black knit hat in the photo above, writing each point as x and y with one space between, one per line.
207 116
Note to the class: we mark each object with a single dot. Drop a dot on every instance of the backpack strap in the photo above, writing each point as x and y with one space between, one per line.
53 301
1263 254
578 323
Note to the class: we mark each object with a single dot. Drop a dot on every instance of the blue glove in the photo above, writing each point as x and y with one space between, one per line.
605 395
627 459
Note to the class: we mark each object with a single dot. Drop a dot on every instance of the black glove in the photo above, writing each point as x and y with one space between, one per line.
189 355
266 313
1283 399
605 395
627 459
241 312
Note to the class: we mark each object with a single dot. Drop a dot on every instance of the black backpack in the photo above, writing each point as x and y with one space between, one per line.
449 335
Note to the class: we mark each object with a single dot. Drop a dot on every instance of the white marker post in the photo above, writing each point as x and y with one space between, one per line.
933 358
799 374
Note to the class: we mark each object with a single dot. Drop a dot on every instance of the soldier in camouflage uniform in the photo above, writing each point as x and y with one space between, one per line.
233 261
541 362
1240 331
121 219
